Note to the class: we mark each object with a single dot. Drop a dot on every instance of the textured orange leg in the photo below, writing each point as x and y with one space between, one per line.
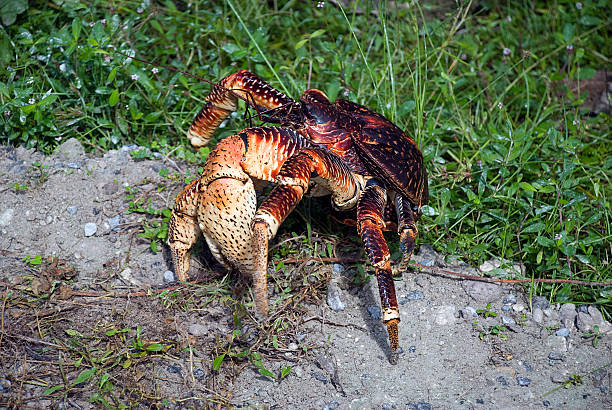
370 223
183 229
294 179
222 101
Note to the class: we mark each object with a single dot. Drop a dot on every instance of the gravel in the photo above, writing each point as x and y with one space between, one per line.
446 365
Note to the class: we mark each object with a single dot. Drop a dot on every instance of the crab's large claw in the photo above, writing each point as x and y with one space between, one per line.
223 99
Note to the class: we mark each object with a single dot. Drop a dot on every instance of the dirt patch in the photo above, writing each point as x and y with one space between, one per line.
92 317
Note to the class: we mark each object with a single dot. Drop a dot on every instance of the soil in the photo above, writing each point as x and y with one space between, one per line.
93 317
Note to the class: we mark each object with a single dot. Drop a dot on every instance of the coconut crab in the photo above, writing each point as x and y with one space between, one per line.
344 149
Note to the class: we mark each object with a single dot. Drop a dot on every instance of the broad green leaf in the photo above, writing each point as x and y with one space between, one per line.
317 33
111 76
266 372
301 43
76 28
285 371
217 361
527 186
113 99
154 347
84 376
535 227
52 389
9 9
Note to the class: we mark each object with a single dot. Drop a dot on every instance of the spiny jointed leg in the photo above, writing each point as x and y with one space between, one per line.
370 223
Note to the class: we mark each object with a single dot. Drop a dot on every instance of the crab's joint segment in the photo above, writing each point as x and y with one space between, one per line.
392 329
407 230
334 173
222 101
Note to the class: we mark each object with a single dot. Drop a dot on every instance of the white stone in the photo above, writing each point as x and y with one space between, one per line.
6 216
90 228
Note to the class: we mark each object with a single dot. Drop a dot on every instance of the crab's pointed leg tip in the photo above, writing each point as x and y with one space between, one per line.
394 357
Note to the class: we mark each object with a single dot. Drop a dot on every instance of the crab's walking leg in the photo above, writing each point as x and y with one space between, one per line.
370 223
183 229
222 101
294 179
407 230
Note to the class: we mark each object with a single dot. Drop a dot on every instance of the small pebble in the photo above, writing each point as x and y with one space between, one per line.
555 356
510 299
583 309
319 376
506 308
72 210
338 268
415 295
292 346
508 320
73 165
169 276
174 369
199 373
7 215
412 349
518 307
538 315
300 337
375 312
334 297
523 381
540 302
333 405
502 380
90 228
564 331
113 223
468 312
420 405
197 329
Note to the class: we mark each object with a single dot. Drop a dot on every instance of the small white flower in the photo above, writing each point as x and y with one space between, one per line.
388 105
509 18
507 51
107 58
579 5
500 105
576 122
155 70
140 10
346 92
557 236
62 67
7 113
31 101
569 48
135 77
103 21
320 4
91 24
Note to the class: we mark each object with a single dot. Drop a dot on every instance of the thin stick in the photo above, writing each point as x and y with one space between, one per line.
457 274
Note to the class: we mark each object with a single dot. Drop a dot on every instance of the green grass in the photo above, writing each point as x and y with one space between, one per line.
518 169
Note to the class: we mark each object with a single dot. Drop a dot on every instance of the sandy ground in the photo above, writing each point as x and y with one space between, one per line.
465 344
